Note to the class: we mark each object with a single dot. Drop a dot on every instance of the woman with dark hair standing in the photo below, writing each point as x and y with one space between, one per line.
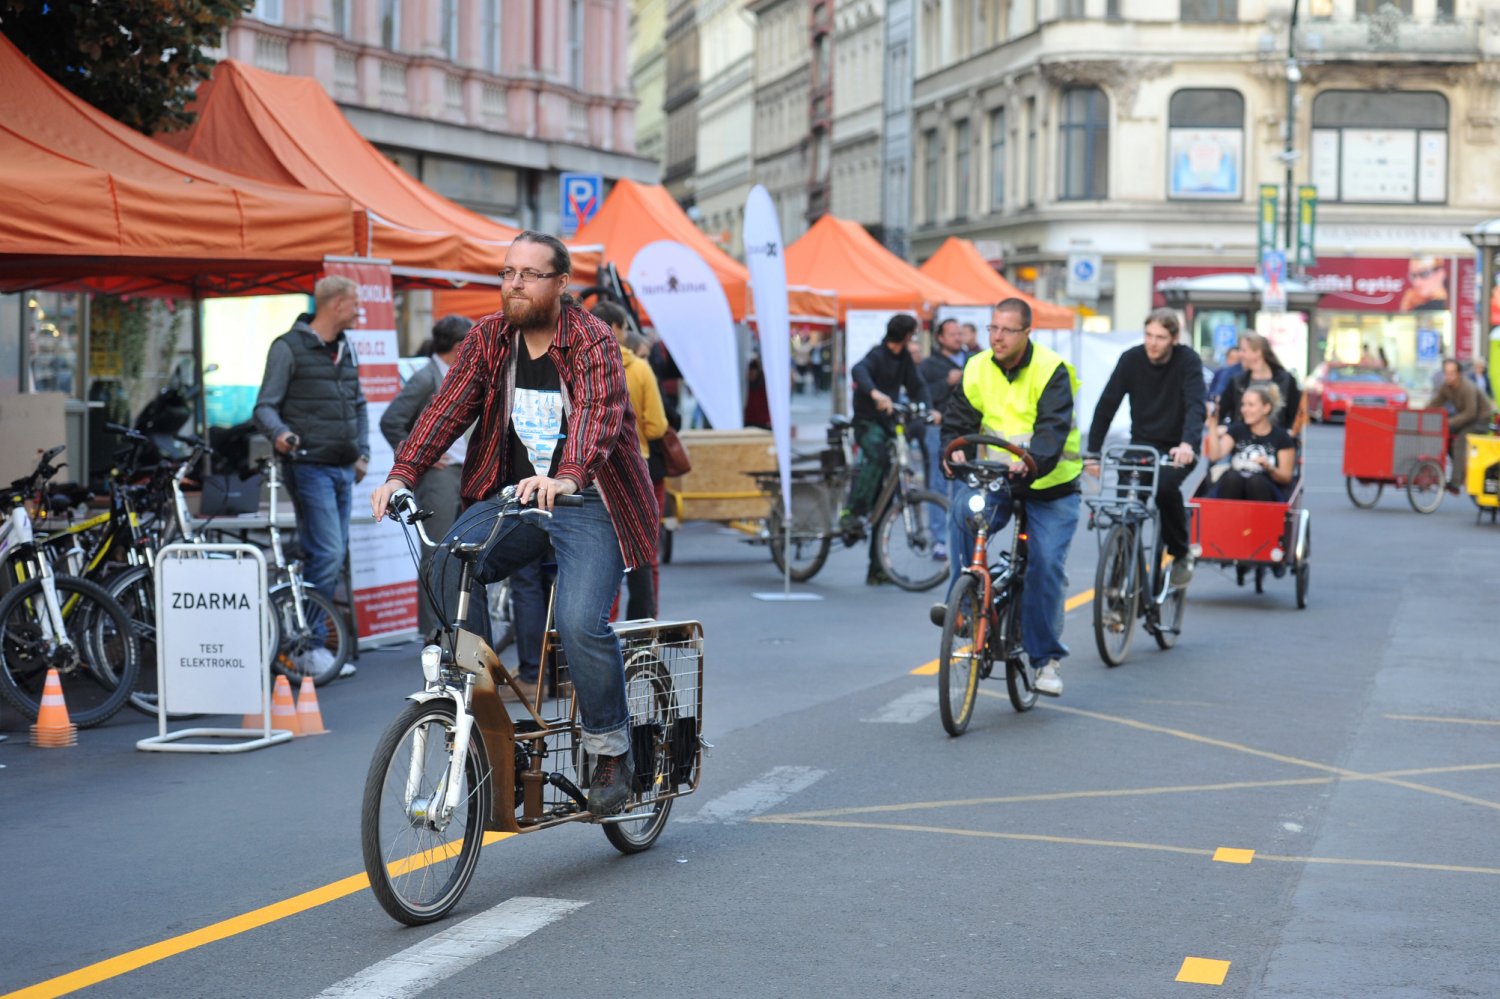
1261 364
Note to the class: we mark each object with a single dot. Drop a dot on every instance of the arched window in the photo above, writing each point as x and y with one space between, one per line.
1206 145
1084 135
1380 148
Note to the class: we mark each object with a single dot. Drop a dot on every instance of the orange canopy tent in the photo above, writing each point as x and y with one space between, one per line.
87 203
958 263
840 255
288 130
635 215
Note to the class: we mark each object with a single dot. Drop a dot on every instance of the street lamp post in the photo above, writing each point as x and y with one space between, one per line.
1289 152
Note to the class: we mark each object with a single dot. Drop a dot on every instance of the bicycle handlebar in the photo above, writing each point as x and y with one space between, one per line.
988 469
404 505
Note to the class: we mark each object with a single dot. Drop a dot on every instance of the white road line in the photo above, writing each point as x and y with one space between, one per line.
908 709
442 955
760 795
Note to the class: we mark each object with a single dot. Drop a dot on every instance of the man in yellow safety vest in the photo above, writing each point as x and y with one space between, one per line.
1023 392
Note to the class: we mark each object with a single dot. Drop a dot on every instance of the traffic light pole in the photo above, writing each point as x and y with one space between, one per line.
1289 153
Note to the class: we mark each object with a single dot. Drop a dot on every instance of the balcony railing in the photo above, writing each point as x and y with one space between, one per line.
1390 34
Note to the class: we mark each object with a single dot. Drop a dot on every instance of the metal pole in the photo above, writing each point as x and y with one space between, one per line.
1293 75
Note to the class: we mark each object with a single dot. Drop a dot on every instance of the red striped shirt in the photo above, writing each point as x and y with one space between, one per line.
601 444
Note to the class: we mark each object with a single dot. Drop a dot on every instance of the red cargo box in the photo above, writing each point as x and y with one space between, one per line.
1382 444
1240 530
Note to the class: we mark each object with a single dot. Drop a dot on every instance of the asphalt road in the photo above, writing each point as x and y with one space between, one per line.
841 844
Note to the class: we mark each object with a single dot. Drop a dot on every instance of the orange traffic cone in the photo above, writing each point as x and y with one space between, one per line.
53 730
283 709
309 718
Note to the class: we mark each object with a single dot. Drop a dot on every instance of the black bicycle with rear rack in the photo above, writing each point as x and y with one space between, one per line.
1131 581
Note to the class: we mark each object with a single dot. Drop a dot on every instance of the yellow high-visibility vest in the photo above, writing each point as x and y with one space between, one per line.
1008 407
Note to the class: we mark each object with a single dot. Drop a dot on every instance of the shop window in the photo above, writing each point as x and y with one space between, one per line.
997 160
1206 145
961 169
1210 10
1380 148
1084 142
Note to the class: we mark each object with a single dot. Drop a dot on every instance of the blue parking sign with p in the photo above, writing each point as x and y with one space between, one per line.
582 193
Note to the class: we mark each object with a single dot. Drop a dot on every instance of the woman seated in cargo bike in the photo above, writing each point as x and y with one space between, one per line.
1262 454
1252 517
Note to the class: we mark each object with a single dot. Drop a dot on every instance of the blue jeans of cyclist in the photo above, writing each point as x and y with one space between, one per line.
589 565
322 496
935 480
1051 524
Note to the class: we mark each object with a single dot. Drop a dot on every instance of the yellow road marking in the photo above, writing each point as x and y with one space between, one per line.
1072 603
1203 971
1230 855
113 967
790 820
1449 721
1278 757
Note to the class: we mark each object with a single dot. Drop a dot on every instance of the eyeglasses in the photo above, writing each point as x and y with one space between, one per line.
1424 273
527 275
1005 330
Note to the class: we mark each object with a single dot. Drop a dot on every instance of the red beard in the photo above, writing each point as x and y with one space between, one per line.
526 313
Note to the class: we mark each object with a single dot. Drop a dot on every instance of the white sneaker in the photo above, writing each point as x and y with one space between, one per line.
348 669
1047 681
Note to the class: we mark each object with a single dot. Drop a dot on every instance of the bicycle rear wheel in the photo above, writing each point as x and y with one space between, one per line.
811 531
325 629
648 691
96 654
962 655
1116 602
1363 493
418 865
906 543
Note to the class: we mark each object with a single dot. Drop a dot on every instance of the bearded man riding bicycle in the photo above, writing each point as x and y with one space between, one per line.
1023 392
545 382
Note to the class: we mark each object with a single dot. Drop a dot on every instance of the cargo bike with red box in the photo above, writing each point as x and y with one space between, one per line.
1403 448
1256 538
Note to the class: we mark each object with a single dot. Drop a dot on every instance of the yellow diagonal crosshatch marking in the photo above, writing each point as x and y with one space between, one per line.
1203 971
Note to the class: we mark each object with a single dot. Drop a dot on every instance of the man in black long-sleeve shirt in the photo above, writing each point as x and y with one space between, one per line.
1164 380
878 378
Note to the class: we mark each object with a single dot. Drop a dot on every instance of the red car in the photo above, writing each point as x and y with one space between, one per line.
1332 388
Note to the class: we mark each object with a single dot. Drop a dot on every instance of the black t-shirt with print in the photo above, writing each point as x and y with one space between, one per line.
537 422
1248 446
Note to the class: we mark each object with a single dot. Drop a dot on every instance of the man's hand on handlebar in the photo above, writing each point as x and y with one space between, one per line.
381 497
544 490
1091 467
882 401
286 441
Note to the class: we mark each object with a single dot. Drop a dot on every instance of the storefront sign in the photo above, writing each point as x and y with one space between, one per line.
1466 306
382 577
1357 284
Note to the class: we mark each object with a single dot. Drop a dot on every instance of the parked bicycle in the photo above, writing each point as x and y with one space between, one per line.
62 622
454 764
1131 580
983 623
906 546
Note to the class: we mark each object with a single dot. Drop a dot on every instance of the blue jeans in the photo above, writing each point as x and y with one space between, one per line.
321 495
935 480
528 615
589 565
1051 524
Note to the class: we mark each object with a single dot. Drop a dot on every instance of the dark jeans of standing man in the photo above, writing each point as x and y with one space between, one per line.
322 496
437 492
530 586
589 565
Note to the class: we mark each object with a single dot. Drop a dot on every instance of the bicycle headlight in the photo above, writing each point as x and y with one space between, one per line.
432 663
976 503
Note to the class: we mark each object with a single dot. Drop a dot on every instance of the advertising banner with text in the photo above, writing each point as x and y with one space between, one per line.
381 574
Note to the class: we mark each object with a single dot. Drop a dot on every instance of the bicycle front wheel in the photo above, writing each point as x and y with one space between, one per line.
318 646
1116 602
419 862
810 527
1169 618
648 691
94 652
906 542
961 656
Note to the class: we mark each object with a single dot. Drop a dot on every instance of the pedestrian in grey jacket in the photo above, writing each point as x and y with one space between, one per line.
438 489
